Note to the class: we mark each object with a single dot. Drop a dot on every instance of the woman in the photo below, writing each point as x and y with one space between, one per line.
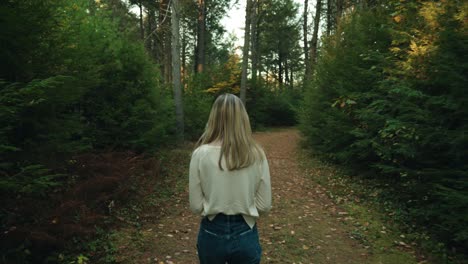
229 186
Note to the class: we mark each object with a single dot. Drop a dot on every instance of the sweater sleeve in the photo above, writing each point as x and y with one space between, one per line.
195 189
263 194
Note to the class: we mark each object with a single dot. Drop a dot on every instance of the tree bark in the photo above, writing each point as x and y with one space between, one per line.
254 40
329 15
142 30
280 68
149 41
313 42
200 50
176 69
339 12
291 79
168 46
164 41
306 41
184 55
168 59
245 51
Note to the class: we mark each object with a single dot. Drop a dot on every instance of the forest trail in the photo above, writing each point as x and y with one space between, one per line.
304 226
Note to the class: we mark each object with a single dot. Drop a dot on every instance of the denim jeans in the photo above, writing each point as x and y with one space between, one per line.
228 239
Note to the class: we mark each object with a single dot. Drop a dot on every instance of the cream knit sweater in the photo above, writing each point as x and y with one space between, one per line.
246 191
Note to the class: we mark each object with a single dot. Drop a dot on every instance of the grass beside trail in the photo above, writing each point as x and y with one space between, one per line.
371 222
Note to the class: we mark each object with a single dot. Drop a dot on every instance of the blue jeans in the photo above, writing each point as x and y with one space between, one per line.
228 239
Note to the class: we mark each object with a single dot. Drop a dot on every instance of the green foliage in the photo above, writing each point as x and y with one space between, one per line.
32 179
101 249
388 100
268 108
197 106
278 39
82 82
74 77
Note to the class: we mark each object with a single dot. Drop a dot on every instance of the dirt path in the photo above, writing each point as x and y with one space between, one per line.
304 225
300 228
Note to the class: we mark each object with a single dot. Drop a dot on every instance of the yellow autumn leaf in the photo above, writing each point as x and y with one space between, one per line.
398 18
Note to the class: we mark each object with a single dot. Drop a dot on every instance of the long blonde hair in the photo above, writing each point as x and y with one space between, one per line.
229 123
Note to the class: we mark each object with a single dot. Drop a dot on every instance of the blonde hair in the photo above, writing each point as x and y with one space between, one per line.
229 123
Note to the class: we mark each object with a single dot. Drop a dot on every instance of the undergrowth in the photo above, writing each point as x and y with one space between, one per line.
381 221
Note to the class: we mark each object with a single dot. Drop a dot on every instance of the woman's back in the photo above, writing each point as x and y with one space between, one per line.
244 191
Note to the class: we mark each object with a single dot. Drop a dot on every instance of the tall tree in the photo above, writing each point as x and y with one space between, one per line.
176 69
188 16
164 40
339 11
200 49
306 41
141 4
150 21
314 41
279 37
329 16
184 54
245 50
254 39
142 29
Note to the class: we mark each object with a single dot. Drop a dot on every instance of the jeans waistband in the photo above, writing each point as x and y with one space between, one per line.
231 218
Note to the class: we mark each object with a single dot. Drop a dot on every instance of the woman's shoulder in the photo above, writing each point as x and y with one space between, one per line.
260 151
205 148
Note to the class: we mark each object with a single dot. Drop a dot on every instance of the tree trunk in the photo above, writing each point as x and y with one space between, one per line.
329 15
306 41
339 12
254 40
184 55
168 59
313 42
150 28
168 46
291 79
164 41
176 69
286 72
200 50
245 51
274 73
142 30
280 69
